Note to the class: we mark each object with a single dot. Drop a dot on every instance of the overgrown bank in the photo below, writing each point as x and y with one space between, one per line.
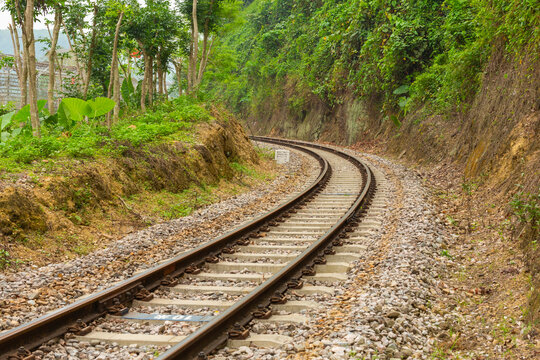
60 206
448 83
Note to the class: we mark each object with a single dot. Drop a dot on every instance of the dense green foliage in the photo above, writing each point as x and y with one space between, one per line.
400 53
166 121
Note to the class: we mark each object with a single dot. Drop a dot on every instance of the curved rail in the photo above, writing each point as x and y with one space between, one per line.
54 324
215 333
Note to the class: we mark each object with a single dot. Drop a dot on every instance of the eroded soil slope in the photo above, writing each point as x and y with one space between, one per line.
76 206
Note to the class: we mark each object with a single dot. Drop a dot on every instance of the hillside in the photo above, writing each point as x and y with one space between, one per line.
449 86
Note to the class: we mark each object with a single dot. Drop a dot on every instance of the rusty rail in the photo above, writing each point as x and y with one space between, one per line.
215 333
31 335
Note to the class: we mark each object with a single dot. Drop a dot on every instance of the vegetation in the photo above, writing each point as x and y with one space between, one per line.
526 210
75 138
107 37
401 54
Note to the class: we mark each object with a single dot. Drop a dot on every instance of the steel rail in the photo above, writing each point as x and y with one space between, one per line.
32 334
215 333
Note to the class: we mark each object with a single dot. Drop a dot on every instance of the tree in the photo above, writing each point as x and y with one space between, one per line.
25 18
212 14
20 66
114 79
52 57
154 27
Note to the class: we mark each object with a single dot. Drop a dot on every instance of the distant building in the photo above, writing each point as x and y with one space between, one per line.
9 81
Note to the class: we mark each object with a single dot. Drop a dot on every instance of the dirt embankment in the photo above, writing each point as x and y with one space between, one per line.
492 146
48 215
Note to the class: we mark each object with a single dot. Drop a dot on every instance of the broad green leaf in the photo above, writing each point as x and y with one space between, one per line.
64 118
403 89
16 132
127 90
23 115
100 106
403 101
77 109
4 136
5 120
395 120
41 105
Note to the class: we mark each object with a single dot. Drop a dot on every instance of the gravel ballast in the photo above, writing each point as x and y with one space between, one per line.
35 291
384 310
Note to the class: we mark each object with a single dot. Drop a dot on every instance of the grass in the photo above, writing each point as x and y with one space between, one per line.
166 122
167 205
244 170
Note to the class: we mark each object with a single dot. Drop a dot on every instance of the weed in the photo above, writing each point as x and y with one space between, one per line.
244 170
5 259
82 249
526 209
265 153
445 253
452 221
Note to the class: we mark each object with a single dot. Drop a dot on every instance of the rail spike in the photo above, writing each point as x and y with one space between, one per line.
22 354
278 298
117 309
80 328
137 286
262 312
238 332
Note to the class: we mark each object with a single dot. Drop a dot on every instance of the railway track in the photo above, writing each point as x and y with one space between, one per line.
211 295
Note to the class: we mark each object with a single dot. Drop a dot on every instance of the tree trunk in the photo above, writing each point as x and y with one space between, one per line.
77 63
189 64
114 68
159 75
205 45
116 96
178 67
90 55
164 81
52 56
20 67
144 84
60 65
30 61
195 48
204 61
151 87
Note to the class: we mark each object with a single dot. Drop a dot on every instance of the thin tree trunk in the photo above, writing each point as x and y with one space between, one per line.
204 61
57 60
116 96
205 45
195 44
189 65
52 56
151 87
178 68
90 55
156 80
77 63
165 91
114 67
20 66
30 60
145 78
60 64
159 75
